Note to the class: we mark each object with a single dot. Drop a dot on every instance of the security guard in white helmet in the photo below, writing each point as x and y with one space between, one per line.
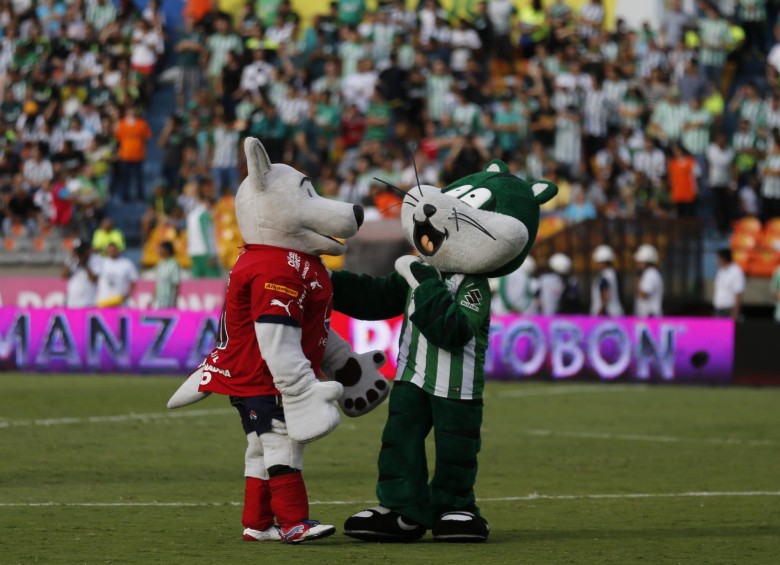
650 285
605 293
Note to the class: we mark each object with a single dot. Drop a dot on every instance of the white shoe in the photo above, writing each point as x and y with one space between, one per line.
270 534
306 530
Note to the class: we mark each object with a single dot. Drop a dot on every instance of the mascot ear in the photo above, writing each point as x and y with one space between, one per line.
543 191
257 162
496 166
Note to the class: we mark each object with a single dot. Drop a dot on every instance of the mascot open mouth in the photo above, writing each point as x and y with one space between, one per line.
428 239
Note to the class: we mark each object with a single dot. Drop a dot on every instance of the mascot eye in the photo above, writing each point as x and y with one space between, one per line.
477 198
460 191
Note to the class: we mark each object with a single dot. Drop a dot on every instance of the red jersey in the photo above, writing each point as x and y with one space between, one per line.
275 285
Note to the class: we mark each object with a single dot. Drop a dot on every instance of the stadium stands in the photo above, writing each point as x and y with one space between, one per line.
593 105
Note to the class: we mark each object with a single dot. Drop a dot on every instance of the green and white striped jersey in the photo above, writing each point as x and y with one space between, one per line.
350 52
100 16
437 87
670 117
754 111
715 37
168 278
696 136
219 45
752 10
457 373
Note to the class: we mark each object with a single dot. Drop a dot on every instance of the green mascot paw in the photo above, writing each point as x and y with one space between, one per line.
414 271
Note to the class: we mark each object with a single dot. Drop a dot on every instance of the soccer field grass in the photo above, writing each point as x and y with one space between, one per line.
95 470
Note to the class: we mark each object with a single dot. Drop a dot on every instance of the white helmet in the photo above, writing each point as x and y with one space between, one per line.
560 263
646 254
529 265
603 254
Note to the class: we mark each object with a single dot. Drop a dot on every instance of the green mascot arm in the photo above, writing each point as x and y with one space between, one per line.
448 321
369 298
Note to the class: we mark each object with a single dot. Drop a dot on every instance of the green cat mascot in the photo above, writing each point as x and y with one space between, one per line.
480 226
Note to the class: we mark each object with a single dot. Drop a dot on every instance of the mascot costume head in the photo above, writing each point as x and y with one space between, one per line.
481 226
277 205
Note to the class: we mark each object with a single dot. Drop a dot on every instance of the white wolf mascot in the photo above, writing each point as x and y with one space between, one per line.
274 338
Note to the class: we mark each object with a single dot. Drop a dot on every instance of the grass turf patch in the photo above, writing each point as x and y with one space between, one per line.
569 473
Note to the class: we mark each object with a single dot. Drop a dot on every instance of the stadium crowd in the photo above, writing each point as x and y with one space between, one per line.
73 79
676 120
679 120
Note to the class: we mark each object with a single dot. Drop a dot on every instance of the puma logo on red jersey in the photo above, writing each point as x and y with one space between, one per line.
280 304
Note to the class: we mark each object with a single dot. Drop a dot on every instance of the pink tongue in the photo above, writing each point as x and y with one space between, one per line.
427 243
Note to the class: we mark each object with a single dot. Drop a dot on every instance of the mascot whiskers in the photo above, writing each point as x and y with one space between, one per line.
274 339
480 226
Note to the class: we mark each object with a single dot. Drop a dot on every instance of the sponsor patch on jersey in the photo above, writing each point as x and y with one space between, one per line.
473 300
294 260
283 289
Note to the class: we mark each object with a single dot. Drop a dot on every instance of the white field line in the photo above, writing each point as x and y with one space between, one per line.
132 417
529 497
148 416
173 414
651 438
566 389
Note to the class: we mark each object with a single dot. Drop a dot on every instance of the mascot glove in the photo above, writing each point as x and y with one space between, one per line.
415 271
365 387
312 413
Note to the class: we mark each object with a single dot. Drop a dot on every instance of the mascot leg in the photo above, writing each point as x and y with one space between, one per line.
283 458
456 425
258 518
404 513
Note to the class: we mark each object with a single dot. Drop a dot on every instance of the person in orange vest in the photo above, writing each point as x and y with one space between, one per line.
132 132
683 174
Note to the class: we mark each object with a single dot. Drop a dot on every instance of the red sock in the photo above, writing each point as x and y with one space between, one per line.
289 501
257 505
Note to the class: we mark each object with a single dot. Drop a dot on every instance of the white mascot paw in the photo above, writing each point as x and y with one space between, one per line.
403 265
365 387
312 414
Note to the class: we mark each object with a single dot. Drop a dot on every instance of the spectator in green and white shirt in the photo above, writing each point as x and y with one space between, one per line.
438 88
695 135
568 140
752 18
667 119
747 146
201 239
770 179
350 51
167 278
351 11
100 13
749 105
715 39
775 288
465 114
631 109
510 124
219 45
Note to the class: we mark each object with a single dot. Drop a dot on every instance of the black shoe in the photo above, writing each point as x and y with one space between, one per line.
461 527
382 524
